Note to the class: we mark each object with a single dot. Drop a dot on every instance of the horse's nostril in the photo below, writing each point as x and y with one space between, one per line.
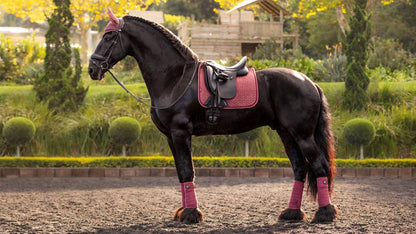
90 71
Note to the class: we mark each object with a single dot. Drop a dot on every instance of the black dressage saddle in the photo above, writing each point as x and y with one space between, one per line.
221 81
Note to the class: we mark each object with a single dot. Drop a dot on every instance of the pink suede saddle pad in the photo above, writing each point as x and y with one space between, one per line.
247 90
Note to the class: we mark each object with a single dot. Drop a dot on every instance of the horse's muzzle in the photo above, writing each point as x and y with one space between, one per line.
95 70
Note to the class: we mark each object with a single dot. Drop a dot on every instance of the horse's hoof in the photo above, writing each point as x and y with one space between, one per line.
292 215
188 215
326 214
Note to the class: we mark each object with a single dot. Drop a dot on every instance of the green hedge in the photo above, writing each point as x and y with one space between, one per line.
162 161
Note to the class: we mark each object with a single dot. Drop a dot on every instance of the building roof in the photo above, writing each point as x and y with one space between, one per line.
268 5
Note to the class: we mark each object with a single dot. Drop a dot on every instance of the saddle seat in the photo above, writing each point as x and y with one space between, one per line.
221 81
239 67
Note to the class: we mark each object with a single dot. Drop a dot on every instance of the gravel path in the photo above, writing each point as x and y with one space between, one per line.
230 205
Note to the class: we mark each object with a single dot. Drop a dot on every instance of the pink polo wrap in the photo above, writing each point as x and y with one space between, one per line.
189 199
323 193
296 198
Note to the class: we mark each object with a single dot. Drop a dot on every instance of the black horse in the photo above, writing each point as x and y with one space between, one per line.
288 102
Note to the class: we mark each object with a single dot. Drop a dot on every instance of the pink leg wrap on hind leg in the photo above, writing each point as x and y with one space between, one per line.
296 198
188 195
323 193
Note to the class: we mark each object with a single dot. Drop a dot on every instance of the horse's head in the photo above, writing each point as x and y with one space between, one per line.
110 50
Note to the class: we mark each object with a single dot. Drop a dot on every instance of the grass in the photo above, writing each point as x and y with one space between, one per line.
391 108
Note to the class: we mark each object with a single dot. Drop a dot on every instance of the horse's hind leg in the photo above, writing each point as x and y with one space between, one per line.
180 144
319 172
294 213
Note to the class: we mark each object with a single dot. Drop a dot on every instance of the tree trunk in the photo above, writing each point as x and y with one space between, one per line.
84 45
246 148
361 152
124 150
342 21
18 151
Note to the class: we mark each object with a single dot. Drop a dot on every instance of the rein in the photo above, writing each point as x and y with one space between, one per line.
105 67
140 99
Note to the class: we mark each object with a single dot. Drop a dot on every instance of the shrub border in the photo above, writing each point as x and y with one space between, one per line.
199 162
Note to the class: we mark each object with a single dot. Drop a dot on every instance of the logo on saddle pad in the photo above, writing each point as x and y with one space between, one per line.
227 87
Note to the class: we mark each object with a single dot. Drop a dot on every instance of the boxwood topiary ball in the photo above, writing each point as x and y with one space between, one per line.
124 130
359 131
18 130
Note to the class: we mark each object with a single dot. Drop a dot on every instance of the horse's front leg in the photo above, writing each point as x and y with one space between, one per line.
180 144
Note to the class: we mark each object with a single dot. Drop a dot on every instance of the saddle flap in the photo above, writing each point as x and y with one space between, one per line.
211 83
227 88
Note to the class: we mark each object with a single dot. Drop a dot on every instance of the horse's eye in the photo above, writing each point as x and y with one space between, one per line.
108 36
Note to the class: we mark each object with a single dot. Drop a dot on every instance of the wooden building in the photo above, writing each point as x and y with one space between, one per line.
237 33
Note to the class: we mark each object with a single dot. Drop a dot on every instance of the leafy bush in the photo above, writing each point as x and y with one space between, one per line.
302 64
376 163
333 68
124 130
389 54
359 131
268 50
20 62
18 130
387 75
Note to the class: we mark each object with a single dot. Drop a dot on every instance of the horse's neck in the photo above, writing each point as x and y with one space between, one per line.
161 65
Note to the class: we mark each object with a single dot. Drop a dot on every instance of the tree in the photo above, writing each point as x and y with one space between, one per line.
359 132
86 13
17 131
124 131
58 86
201 9
307 8
356 82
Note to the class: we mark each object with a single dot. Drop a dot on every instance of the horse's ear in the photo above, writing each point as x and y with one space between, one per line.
113 18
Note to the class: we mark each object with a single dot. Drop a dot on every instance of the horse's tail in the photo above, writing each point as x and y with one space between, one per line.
324 139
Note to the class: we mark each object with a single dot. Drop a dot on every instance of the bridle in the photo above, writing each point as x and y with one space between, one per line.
106 66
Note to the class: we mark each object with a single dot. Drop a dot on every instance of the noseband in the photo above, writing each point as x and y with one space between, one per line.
105 65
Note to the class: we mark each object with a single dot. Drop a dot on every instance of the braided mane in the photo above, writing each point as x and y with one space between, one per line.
180 47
